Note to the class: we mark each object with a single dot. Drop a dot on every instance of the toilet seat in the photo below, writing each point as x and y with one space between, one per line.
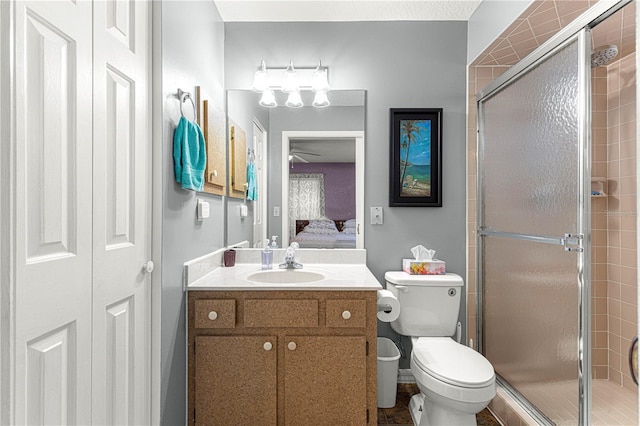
452 363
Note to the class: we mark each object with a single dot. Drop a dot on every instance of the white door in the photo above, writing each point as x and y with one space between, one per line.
79 307
121 214
260 205
53 224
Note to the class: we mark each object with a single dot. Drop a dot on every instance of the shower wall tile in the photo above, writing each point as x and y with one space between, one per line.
622 270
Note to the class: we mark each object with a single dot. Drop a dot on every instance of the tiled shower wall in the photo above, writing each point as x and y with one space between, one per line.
621 215
614 279
599 237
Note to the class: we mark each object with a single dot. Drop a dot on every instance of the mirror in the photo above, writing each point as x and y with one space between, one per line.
300 148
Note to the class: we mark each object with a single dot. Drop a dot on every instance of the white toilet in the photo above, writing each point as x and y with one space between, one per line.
455 381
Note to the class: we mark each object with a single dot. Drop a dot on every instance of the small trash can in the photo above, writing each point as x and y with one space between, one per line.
388 356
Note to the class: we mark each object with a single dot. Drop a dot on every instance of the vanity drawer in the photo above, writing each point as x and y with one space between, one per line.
219 313
280 313
346 313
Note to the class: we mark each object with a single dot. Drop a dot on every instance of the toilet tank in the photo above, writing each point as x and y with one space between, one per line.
429 304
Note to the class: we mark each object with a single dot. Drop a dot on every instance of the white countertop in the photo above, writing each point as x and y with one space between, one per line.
343 269
349 277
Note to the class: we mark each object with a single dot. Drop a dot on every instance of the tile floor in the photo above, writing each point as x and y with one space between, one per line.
399 415
611 403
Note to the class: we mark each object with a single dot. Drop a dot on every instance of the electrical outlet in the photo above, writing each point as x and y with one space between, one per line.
276 211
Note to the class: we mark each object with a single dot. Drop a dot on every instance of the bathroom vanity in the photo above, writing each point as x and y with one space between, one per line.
283 347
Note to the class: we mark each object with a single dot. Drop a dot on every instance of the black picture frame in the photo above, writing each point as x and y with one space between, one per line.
415 172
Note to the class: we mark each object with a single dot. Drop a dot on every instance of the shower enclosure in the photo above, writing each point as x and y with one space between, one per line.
534 234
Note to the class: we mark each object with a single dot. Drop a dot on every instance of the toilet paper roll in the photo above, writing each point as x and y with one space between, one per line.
386 299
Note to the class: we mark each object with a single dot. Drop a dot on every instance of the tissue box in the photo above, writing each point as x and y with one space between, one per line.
424 267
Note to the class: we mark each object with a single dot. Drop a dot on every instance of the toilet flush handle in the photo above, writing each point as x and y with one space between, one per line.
403 288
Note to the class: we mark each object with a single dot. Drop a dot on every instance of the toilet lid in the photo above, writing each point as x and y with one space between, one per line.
452 362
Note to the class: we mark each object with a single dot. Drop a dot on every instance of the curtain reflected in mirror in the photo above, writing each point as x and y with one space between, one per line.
306 197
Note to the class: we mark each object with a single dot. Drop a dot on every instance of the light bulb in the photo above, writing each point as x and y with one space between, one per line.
260 83
290 82
294 100
320 79
268 99
321 100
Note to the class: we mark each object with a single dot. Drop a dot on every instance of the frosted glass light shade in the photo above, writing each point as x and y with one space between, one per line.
320 80
290 81
321 100
268 99
294 100
260 83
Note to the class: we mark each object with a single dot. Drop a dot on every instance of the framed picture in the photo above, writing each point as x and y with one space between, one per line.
416 157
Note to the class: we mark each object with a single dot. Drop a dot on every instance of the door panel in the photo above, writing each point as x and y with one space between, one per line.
240 366
121 233
325 380
532 171
260 205
52 213
531 133
81 303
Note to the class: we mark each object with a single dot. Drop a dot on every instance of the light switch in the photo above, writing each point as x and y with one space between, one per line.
203 209
376 216
276 211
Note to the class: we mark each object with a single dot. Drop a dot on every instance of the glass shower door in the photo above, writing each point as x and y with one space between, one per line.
534 228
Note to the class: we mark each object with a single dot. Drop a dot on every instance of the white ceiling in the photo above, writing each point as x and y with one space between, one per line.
345 10
327 150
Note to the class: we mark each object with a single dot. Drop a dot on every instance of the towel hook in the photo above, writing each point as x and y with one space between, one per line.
183 96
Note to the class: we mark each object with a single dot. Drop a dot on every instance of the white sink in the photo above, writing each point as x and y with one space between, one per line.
285 276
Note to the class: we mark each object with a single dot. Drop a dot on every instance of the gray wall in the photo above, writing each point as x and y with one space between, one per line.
400 64
488 21
192 49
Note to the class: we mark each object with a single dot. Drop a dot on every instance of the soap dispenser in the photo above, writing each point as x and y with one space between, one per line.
267 256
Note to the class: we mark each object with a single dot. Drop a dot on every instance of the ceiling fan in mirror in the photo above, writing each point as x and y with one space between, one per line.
298 156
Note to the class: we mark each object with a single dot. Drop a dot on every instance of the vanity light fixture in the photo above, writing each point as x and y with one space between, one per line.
291 81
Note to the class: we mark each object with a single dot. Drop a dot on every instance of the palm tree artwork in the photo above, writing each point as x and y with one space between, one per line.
415 158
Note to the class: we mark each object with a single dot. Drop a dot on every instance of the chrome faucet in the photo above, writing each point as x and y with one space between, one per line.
289 258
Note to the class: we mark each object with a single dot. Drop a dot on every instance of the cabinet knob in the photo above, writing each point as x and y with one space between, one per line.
267 346
292 346
213 315
346 315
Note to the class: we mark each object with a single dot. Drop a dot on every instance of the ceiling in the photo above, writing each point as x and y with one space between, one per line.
327 150
341 10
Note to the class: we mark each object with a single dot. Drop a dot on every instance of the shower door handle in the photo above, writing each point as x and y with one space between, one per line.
633 360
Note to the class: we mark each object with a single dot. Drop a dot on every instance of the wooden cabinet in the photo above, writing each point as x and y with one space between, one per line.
238 367
325 380
282 357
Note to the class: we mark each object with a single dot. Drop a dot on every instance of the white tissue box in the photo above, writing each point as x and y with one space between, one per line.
424 267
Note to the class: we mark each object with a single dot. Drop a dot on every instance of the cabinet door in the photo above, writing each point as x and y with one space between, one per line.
325 380
235 380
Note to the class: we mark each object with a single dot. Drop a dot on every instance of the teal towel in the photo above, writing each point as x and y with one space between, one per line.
252 187
189 155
